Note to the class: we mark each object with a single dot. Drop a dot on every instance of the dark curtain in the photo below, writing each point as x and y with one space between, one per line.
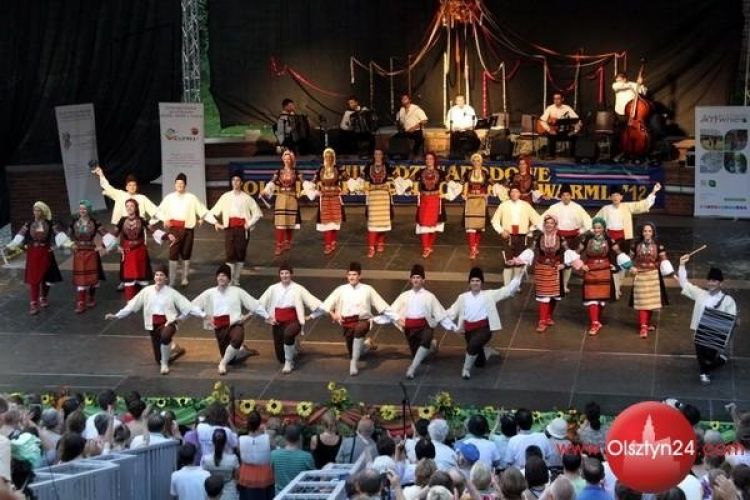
692 49
122 55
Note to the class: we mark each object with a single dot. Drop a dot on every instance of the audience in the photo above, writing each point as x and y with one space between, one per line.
571 462
445 457
478 430
561 489
592 433
222 464
506 422
512 484
515 453
325 445
536 474
420 428
423 472
154 432
362 442
289 461
593 473
256 477
105 400
188 482
214 487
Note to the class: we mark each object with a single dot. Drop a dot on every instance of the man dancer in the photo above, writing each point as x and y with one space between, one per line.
221 308
514 219
619 219
419 312
239 214
162 307
351 306
285 302
179 212
478 317
572 221
714 298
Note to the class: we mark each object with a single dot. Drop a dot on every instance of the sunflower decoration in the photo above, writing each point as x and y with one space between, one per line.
218 386
304 409
426 412
160 402
443 403
560 414
274 407
715 425
388 412
184 401
331 386
338 397
47 399
89 400
537 416
246 406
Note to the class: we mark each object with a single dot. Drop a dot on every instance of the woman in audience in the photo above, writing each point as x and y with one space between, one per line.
537 477
70 447
592 433
217 416
512 484
480 478
224 464
422 473
256 480
325 446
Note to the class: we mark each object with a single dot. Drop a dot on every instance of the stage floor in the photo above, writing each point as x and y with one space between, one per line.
559 368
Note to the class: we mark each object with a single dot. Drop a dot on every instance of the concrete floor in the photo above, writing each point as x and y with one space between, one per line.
559 368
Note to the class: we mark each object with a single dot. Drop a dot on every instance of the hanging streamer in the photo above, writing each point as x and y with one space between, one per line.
300 79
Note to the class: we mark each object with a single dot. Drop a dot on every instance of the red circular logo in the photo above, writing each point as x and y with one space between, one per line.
651 447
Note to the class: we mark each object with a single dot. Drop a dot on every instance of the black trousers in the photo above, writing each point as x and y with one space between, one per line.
161 335
708 359
475 342
233 335
284 333
357 331
418 337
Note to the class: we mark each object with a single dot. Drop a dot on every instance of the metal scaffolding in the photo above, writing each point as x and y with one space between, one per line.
191 55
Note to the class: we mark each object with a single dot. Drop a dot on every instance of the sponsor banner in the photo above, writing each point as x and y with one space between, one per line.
722 183
77 132
182 146
590 184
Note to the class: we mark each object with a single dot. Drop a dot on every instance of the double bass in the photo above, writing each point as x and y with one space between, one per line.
635 139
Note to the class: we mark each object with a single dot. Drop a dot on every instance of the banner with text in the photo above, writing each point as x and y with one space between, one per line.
722 183
182 148
590 184
77 131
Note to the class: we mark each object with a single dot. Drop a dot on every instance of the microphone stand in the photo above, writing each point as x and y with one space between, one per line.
404 405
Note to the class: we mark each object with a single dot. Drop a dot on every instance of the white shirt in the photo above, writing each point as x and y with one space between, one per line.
255 450
416 304
556 113
515 453
461 118
145 206
346 120
283 297
488 453
293 295
166 301
90 431
239 205
185 207
187 483
613 217
205 434
475 307
411 118
229 301
691 487
624 93
153 438
570 217
515 212
354 301
445 456
357 300
703 298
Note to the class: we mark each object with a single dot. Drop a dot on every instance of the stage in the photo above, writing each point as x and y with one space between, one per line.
559 368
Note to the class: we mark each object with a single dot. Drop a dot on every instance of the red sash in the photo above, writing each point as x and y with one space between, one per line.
221 321
415 323
237 222
177 224
616 234
158 320
349 321
568 233
513 229
470 326
285 314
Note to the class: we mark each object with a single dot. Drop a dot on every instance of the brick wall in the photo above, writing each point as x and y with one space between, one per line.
30 183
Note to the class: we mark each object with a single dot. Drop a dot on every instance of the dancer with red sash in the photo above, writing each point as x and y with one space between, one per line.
430 213
285 302
163 307
514 219
239 214
378 204
221 307
39 235
286 217
331 214
87 263
477 317
476 187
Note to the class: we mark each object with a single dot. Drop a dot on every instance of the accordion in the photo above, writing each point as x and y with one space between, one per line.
715 329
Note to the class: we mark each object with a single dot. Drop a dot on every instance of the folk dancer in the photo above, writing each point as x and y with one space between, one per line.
378 203
514 219
525 182
239 214
478 317
179 212
87 262
600 255
285 302
650 266
618 217
39 235
331 213
572 222
547 253
351 306
146 206
430 213
476 187
419 312
547 123
713 297
411 120
163 307
221 307
285 184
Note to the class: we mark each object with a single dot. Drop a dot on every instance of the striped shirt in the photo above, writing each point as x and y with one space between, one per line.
286 464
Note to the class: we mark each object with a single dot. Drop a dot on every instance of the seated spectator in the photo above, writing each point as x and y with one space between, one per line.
155 434
325 445
445 456
121 438
466 456
441 478
439 493
424 470
592 433
572 470
214 486
222 464
481 477
536 474
560 489
256 477
593 473
424 449
478 430
512 484
362 442
420 431
70 447
506 424
291 460
104 400
557 433
69 405
171 427
515 453
188 482
275 431
49 433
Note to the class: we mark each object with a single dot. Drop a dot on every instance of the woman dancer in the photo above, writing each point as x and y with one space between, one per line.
430 214
379 210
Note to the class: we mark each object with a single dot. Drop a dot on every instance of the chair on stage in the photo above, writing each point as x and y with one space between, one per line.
528 138
604 131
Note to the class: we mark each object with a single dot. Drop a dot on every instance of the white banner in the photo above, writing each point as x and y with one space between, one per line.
182 148
77 132
722 181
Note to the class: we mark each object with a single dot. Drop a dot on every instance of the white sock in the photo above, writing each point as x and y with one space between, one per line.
422 353
237 272
185 270
229 355
165 352
507 275
357 348
172 273
289 352
469 362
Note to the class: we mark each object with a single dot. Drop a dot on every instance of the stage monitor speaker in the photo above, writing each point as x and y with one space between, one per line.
501 147
585 149
399 148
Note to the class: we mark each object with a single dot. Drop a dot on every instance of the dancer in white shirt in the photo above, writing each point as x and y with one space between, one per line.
221 307
163 307
239 214
285 302
514 219
351 306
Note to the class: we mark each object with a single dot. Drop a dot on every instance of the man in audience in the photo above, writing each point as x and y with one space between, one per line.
478 429
155 434
352 447
105 399
289 461
49 433
560 489
188 482
515 454
507 425
420 431
445 457
571 463
623 492
557 433
213 485
467 454
369 485
593 473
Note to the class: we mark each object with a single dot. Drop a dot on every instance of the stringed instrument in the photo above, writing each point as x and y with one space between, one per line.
635 139
558 125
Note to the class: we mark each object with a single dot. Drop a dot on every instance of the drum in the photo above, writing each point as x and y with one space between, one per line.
715 329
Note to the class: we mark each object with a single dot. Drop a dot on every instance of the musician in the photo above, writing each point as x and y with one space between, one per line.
625 91
557 111
714 298
355 128
287 132
411 119
460 122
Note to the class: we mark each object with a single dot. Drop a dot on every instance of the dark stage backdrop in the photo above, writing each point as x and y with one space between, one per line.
692 49
122 55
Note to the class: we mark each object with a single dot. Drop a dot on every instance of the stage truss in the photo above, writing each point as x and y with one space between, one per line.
191 56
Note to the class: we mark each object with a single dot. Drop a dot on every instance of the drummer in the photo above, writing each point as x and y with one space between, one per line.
356 129
460 122
713 298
